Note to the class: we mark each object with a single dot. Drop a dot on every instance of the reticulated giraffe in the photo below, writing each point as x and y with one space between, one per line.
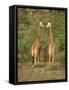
52 44
35 49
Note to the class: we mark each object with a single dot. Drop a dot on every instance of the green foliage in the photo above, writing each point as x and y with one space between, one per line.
61 58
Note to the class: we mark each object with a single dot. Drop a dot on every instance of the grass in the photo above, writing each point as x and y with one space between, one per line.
40 72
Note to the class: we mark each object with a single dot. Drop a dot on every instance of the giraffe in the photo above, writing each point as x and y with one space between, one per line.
52 44
35 49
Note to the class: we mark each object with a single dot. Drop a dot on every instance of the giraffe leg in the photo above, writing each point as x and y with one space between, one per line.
53 58
32 59
49 59
38 57
35 61
49 56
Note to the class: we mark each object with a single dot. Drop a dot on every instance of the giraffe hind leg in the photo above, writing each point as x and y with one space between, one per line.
53 58
53 55
49 59
32 59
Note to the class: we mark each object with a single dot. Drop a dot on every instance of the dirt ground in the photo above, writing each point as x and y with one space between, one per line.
42 71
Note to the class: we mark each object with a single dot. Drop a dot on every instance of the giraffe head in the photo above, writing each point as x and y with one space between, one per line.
41 24
48 25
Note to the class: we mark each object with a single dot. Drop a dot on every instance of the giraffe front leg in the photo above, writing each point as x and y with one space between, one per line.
53 56
53 59
49 56
35 61
39 58
49 59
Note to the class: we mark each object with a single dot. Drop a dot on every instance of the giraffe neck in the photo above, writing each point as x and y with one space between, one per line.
51 34
38 33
